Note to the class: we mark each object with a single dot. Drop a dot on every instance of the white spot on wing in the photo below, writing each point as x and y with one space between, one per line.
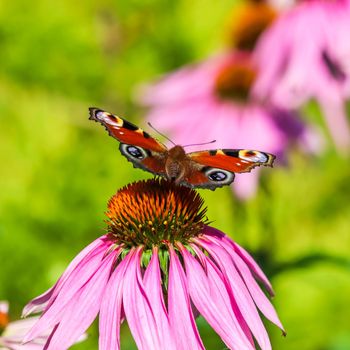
109 119
258 157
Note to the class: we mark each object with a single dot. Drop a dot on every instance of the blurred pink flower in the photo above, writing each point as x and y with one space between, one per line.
12 333
211 100
158 262
305 54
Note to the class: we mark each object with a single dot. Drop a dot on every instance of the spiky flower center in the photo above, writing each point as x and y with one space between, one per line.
234 79
154 213
249 22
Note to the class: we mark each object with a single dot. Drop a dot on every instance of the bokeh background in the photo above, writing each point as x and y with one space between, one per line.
58 169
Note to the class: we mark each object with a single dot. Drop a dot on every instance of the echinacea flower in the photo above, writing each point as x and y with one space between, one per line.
158 263
305 54
12 333
211 100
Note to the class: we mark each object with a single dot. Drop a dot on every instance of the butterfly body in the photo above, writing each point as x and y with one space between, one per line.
177 164
204 169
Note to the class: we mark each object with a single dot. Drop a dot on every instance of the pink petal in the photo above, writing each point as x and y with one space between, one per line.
10 345
137 307
212 301
83 308
254 267
153 287
239 291
337 122
180 312
17 329
213 271
182 85
70 289
257 294
39 303
111 308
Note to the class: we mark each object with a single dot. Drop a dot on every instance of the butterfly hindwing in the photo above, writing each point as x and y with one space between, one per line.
136 145
145 159
207 177
217 168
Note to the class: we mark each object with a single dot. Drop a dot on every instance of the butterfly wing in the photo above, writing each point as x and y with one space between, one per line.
136 145
126 132
217 168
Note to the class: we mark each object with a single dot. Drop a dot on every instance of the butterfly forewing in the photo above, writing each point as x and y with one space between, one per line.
126 132
234 160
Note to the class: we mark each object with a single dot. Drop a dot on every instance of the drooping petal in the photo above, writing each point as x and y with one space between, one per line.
83 308
137 307
6 344
213 272
153 287
111 309
239 291
337 121
247 258
180 313
39 303
70 290
254 267
17 329
260 299
212 301
182 85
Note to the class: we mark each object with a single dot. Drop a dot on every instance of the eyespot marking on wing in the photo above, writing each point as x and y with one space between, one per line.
134 152
218 177
208 177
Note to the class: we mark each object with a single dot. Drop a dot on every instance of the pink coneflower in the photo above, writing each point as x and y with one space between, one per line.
12 333
305 54
158 266
211 100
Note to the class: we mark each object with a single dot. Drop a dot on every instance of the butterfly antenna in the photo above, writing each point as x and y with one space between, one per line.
166 137
200 144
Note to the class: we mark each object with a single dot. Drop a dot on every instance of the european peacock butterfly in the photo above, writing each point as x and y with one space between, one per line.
203 169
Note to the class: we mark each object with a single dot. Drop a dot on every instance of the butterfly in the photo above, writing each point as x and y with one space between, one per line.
204 169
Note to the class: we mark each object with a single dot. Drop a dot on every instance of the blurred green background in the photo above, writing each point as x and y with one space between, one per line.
58 169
